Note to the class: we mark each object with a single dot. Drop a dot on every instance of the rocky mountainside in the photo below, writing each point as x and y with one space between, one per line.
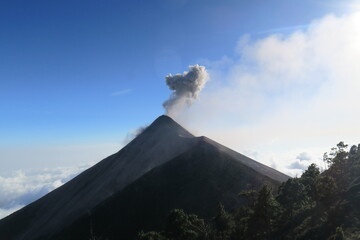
196 181
163 141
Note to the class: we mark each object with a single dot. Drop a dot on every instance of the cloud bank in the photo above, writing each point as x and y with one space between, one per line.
186 88
23 187
285 94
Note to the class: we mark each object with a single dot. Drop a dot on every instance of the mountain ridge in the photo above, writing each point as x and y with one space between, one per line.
261 168
196 181
159 143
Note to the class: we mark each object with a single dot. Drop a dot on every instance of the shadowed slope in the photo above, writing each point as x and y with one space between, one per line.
161 141
259 167
195 181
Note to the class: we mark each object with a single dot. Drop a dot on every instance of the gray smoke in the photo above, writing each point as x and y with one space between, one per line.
186 87
133 134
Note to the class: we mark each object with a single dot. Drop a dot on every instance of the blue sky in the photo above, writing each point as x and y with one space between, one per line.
78 77
62 61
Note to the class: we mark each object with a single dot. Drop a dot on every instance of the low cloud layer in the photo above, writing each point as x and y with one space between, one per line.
285 94
185 88
23 187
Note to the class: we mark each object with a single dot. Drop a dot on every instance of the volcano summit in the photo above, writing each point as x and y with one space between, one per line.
165 167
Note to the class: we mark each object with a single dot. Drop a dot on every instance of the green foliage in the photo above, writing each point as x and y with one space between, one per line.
293 195
151 236
266 209
179 226
250 196
326 189
223 223
310 207
339 234
309 178
222 220
184 226
336 155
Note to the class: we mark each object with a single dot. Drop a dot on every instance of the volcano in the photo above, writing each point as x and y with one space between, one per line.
164 167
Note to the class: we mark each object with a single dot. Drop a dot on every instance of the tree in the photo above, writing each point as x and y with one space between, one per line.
308 179
151 236
326 189
223 223
261 222
311 173
340 165
179 226
337 154
250 196
354 162
182 226
353 150
327 159
292 195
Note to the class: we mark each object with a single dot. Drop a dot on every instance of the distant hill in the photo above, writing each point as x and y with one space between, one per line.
164 167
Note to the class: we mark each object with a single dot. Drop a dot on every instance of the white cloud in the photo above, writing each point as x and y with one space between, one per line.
285 94
304 156
7 211
298 165
121 92
30 172
23 187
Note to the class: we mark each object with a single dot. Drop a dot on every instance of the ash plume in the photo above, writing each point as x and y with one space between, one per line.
133 134
186 87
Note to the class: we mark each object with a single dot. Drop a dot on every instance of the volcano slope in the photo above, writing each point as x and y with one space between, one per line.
161 141
195 181
163 168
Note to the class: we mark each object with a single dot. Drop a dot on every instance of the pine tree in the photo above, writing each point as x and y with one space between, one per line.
223 223
261 222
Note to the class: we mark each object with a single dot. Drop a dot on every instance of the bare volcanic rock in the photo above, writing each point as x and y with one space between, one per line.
161 141
196 181
161 145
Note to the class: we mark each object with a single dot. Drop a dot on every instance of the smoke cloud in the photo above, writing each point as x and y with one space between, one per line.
131 135
186 88
285 93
